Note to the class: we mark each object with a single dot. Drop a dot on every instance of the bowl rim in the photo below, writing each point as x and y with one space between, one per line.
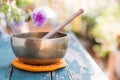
14 36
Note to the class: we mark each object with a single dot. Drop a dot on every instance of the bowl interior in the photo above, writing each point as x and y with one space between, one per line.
38 35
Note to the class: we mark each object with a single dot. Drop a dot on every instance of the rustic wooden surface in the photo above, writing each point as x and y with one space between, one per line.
80 66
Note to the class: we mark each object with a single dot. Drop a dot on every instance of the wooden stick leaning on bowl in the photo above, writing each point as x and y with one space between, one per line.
54 31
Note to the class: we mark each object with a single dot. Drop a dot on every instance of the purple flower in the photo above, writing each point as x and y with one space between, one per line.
38 17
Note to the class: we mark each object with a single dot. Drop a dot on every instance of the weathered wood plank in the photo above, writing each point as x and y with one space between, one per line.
24 75
81 65
61 74
6 55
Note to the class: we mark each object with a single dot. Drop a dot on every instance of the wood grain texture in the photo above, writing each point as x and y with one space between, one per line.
25 75
61 74
80 66
6 56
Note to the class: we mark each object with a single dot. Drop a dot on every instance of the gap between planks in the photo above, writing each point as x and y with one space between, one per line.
10 76
51 75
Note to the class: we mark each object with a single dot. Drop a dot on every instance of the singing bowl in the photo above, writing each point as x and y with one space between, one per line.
31 49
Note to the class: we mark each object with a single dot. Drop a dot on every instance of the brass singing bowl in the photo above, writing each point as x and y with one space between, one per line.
31 49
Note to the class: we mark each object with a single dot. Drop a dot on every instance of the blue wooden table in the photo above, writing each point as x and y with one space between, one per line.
80 66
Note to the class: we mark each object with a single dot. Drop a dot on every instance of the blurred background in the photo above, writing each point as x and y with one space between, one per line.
98 29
